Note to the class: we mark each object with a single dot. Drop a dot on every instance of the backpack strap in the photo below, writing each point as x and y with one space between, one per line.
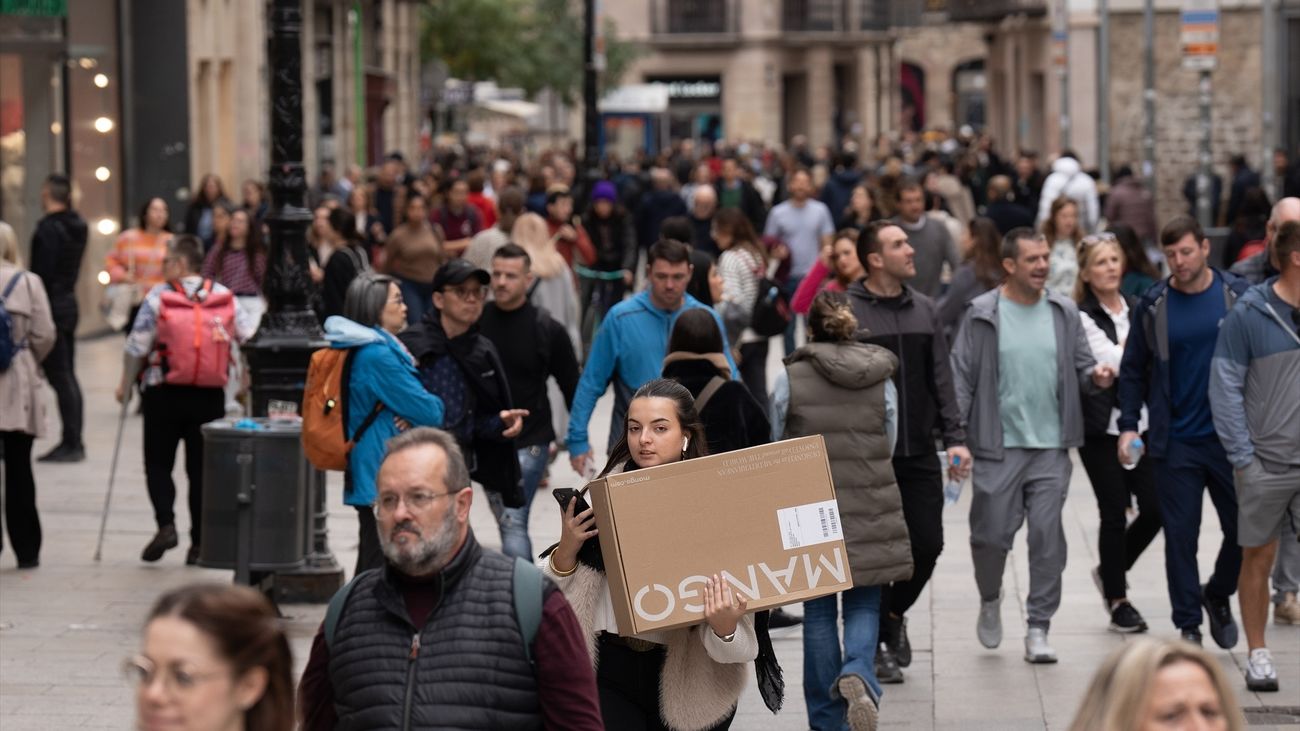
528 588
335 610
710 388
9 288
370 419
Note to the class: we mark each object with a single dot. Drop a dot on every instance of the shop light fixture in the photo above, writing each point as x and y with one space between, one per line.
101 80
56 128
87 62
103 277
102 173
103 124
106 226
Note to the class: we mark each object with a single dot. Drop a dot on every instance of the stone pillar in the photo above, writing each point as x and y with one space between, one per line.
820 102
868 94
751 95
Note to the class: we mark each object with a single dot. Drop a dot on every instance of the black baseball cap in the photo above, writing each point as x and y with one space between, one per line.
457 271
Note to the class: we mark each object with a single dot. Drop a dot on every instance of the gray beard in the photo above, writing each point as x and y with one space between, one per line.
426 557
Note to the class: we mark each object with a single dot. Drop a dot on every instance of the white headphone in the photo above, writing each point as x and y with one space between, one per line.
685 442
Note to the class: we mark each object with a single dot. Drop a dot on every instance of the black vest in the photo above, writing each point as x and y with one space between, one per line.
466 670
1097 406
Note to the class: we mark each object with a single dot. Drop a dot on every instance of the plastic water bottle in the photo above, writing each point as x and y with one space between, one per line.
1135 450
952 488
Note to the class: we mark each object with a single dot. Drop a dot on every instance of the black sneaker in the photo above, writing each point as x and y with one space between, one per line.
893 632
164 540
887 670
1126 619
1191 636
780 619
1222 626
64 453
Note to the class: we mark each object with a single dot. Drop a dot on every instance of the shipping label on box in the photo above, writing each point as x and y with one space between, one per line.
764 519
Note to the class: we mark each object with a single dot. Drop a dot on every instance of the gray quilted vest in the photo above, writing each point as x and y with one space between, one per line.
465 669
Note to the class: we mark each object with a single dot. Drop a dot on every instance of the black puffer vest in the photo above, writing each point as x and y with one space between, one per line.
465 669
1097 406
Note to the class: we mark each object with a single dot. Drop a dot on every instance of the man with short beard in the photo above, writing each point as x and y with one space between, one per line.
438 637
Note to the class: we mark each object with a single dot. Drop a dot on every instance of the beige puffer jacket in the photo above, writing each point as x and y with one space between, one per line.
21 407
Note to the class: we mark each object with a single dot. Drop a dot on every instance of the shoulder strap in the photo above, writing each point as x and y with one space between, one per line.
335 610
710 388
528 587
9 288
370 419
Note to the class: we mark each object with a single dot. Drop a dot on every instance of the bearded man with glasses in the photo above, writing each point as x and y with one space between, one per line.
441 635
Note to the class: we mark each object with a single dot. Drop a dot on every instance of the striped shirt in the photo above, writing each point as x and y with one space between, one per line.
235 272
139 255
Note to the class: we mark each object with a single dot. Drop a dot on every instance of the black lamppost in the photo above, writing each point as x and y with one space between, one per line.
278 355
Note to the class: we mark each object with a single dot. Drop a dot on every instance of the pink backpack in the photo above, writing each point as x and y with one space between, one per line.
194 335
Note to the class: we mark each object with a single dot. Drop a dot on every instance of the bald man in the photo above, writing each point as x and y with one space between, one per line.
704 203
1257 267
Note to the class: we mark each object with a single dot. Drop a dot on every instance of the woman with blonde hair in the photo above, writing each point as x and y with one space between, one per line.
1150 684
1104 317
1062 231
22 406
554 291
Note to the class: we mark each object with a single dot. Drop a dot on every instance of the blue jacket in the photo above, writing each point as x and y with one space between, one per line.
1144 369
1255 382
631 344
382 373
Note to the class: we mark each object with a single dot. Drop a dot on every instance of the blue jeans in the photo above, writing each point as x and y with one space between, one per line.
418 297
823 662
513 522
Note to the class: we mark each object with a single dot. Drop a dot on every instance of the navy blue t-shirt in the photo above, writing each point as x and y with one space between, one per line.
1193 332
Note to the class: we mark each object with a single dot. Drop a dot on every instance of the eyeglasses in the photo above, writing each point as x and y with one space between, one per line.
415 501
141 673
467 293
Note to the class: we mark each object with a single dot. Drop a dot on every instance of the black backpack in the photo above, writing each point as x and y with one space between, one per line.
8 346
771 309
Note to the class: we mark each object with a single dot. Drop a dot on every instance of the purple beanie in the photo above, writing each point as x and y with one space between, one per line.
604 191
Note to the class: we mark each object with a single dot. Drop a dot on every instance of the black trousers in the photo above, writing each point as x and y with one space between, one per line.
174 414
628 683
20 497
920 484
369 554
61 372
753 370
1119 543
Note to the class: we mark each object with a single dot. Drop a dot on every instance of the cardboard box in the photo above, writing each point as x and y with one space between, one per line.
764 518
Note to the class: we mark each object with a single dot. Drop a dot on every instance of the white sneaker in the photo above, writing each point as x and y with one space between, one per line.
1261 676
1036 648
989 627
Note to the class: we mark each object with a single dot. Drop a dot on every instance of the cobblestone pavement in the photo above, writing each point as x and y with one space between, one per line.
65 628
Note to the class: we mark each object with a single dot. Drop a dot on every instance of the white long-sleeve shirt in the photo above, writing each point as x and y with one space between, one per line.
1107 353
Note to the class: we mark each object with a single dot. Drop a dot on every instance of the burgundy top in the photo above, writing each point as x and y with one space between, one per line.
235 273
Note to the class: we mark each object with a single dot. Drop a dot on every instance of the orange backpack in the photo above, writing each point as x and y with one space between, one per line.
325 410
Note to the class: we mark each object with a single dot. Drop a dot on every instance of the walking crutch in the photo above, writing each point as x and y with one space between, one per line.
112 473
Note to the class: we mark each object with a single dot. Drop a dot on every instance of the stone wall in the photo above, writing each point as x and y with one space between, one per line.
938 49
1237 100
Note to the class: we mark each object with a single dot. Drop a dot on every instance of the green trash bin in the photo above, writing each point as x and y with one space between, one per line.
256 497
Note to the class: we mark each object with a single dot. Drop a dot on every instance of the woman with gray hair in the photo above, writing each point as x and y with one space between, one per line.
383 394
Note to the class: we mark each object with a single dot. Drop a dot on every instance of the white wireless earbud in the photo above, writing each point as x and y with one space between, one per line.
685 443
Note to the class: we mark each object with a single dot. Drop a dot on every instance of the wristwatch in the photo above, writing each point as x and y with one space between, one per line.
728 638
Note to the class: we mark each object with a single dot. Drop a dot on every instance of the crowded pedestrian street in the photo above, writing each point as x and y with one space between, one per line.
66 629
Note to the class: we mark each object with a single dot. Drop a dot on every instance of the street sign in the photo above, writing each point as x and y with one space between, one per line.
1199 34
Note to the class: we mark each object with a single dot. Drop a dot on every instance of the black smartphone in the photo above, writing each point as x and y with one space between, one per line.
564 494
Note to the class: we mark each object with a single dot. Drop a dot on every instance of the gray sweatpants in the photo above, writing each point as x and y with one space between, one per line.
1286 568
1026 483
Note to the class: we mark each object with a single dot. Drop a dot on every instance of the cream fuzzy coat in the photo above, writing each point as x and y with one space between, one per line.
695 690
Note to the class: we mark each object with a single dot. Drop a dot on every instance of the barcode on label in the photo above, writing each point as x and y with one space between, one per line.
810 524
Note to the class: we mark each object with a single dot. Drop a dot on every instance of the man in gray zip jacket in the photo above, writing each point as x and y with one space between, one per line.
1018 363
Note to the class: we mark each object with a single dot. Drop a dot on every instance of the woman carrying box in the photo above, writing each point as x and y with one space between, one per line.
687 679
841 389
